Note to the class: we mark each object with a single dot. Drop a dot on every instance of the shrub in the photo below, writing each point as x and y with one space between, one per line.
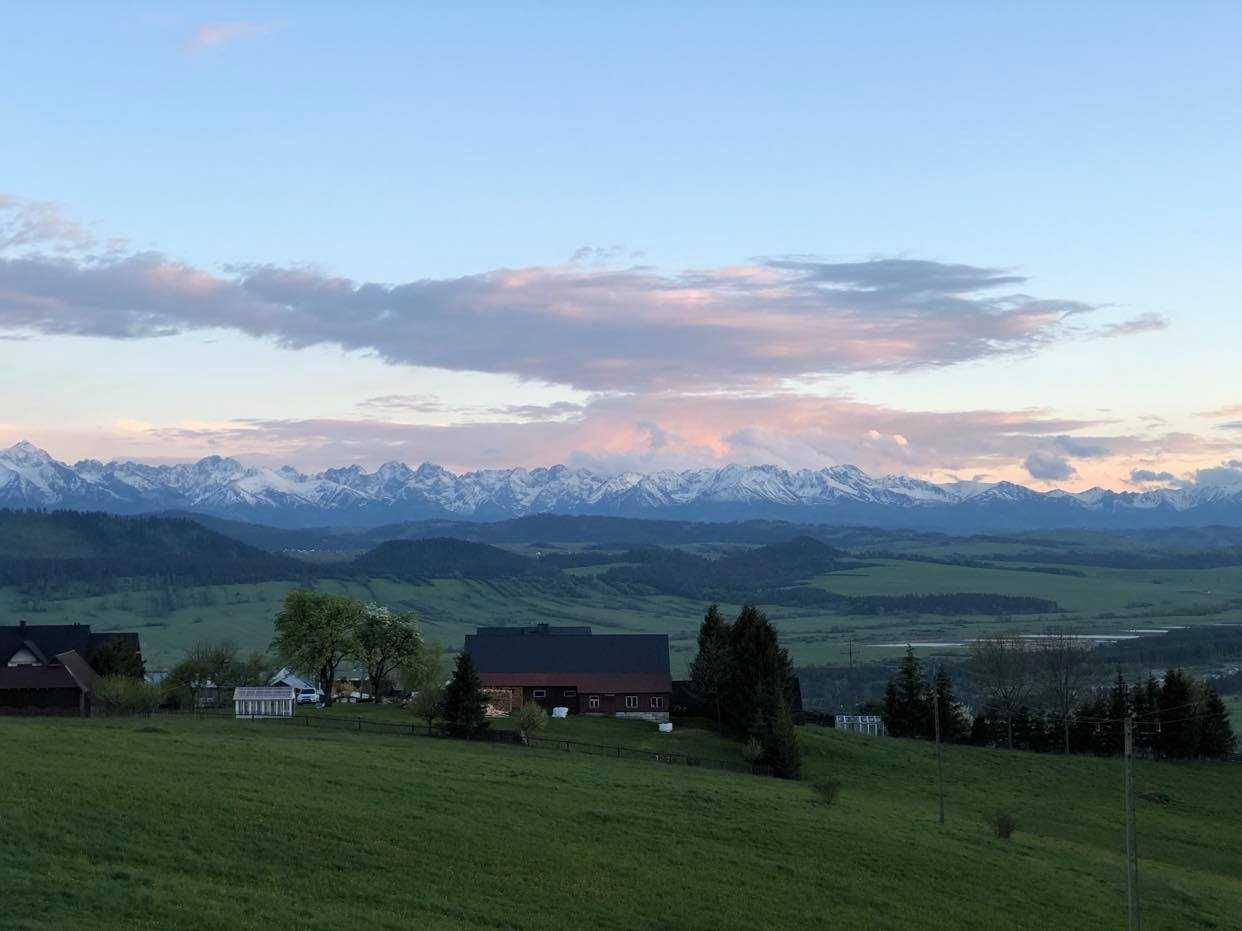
827 790
125 695
753 751
528 718
1003 823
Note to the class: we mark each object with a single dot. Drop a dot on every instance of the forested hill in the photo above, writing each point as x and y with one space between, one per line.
446 558
776 574
53 548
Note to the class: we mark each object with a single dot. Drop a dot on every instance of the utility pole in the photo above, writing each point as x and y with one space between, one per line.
849 679
1132 911
939 768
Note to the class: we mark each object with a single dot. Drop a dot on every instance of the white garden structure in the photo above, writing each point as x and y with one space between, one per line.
263 702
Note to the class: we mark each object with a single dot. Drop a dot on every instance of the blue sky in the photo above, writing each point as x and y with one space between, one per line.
1090 149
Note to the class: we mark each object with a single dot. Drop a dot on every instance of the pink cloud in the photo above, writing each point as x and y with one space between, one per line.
214 35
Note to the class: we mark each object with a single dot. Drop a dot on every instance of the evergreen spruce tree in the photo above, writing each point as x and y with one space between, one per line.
1120 706
465 708
760 680
1177 737
953 726
1088 733
907 705
712 667
1216 737
1144 703
781 747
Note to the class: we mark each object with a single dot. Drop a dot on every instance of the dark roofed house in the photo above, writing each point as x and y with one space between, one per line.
626 675
46 668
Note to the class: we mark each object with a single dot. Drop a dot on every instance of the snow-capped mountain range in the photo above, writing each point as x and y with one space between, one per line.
30 478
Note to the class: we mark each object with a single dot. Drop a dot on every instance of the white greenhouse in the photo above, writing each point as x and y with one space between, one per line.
269 702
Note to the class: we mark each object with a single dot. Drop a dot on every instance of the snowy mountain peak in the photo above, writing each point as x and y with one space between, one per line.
352 496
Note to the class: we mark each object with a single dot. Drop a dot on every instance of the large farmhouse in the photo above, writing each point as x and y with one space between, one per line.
46 668
626 675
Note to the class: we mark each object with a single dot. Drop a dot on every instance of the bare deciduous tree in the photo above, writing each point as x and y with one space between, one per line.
1001 667
1064 670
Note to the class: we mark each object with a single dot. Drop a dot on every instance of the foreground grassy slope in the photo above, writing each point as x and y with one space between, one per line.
182 823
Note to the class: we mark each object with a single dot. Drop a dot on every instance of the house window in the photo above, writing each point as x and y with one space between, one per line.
631 701
539 693
593 701
657 702
570 693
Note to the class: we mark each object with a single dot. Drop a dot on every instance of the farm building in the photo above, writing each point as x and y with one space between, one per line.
46 668
257 702
287 677
871 724
624 675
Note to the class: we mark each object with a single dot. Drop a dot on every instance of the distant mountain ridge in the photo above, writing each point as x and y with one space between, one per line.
353 497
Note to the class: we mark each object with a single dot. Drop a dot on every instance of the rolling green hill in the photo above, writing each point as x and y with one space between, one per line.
49 549
122 824
444 558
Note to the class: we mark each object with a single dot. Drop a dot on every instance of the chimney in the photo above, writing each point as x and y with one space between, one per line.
21 627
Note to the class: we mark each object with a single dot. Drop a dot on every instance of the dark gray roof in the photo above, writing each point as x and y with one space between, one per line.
549 652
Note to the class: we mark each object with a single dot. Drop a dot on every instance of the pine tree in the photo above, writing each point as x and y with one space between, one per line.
1177 737
953 726
1216 738
1144 703
465 708
712 666
907 707
781 747
761 674
1088 732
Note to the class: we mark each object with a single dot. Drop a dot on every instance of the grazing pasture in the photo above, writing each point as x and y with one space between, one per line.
173 822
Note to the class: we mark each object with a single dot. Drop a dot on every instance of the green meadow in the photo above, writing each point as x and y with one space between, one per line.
1100 600
172 822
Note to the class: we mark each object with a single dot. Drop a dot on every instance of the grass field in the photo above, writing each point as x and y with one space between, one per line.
178 823
1101 601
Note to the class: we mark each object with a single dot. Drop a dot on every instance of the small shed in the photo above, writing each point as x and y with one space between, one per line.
871 724
271 702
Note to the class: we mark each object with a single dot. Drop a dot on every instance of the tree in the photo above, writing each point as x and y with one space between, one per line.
710 670
528 718
1216 738
781 748
206 665
953 725
1177 705
1000 666
429 704
315 631
426 669
761 674
116 657
255 669
1063 665
1144 705
465 708
122 694
425 678
384 643
907 709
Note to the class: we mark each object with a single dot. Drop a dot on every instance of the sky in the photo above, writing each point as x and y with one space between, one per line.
954 241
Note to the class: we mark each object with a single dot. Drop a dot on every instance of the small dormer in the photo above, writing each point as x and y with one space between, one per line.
24 657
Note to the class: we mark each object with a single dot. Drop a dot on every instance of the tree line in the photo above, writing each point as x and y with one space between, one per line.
1046 695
